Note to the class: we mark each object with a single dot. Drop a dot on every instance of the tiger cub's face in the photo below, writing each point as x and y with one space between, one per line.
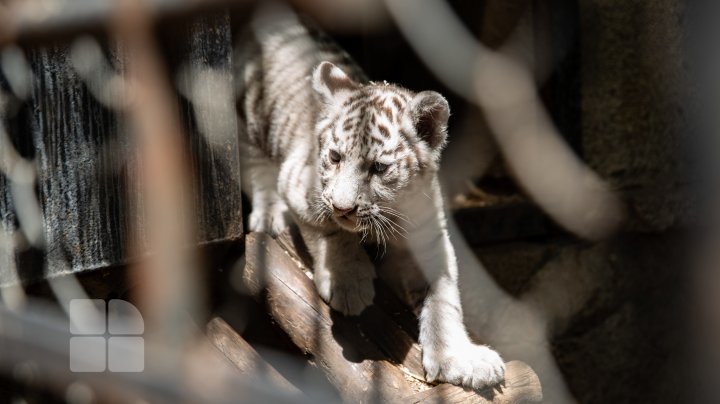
374 141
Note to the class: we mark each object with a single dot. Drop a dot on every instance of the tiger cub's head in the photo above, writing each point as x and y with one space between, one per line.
374 140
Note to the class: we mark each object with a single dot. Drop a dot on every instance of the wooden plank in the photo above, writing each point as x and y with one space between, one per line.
400 313
393 327
522 386
380 328
244 356
380 323
84 154
205 47
355 366
340 342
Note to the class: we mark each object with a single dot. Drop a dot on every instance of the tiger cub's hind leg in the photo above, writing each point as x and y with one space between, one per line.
269 212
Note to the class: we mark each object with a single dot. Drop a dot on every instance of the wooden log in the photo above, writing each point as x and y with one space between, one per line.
386 325
367 357
522 387
339 350
243 356
399 312
393 327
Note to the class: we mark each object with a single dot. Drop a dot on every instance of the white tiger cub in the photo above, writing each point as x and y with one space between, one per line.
353 161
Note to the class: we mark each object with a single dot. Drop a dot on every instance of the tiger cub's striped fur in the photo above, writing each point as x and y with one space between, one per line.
353 161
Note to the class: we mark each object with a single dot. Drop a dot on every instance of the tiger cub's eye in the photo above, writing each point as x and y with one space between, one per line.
379 168
335 157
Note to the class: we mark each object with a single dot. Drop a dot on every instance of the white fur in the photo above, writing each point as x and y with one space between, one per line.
343 273
401 207
448 353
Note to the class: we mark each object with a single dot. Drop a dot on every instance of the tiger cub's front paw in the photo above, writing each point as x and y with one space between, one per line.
272 218
348 291
470 365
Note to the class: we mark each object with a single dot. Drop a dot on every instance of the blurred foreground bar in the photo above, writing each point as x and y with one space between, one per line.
39 22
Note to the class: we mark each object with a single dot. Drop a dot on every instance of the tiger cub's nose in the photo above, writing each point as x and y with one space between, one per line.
340 211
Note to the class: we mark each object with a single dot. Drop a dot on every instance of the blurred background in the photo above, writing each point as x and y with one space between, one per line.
581 176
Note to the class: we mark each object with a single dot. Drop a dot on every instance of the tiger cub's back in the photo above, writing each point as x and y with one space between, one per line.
275 63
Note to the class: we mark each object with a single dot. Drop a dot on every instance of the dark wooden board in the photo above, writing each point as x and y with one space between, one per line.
243 356
366 358
522 387
340 351
86 163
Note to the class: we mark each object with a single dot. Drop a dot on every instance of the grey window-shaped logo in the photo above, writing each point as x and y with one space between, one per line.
106 337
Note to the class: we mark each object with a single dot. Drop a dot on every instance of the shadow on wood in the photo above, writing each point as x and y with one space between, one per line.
385 364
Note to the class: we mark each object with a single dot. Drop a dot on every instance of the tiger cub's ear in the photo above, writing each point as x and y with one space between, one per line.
329 80
430 112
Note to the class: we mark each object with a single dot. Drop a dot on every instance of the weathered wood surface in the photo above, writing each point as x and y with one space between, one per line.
390 324
522 387
366 358
243 356
311 325
83 151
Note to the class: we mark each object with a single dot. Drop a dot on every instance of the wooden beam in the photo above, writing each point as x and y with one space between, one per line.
339 350
522 386
243 356
368 357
